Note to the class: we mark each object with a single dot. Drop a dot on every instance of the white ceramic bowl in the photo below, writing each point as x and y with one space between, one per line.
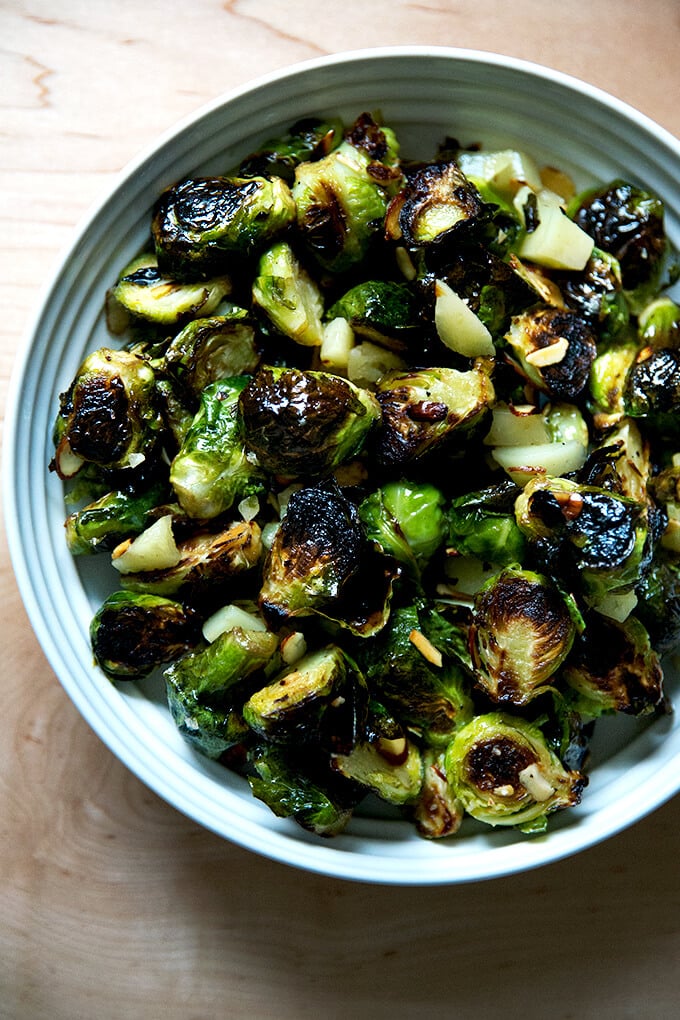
426 94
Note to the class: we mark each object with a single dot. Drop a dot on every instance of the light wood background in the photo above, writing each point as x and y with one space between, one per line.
112 905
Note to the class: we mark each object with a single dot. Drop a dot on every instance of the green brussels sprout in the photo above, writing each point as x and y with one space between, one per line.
204 225
406 520
177 410
133 634
522 631
382 311
318 803
413 667
308 139
436 812
289 296
436 200
386 763
320 563
504 773
421 409
213 348
659 323
609 375
145 291
304 424
597 294
205 561
202 688
342 199
614 668
483 524
658 601
555 349
628 222
308 702
110 519
211 469
652 390
109 415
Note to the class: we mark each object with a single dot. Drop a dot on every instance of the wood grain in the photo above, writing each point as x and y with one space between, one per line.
111 903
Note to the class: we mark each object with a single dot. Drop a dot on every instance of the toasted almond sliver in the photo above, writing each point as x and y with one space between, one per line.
551 355
425 647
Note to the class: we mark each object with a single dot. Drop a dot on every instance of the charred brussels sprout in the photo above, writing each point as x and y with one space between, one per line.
342 199
406 520
304 424
109 415
309 700
659 323
420 410
614 668
386 762
382 311
213 348
609 377
436 200
627 222
522 631
112 518
308 139
437 812
146 292
652 390
132 634
658 605
204 225
319 562
504 773
597 294
555 349
211 470
483 524
288 296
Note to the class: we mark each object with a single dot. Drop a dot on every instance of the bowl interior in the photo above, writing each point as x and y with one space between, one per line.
426 95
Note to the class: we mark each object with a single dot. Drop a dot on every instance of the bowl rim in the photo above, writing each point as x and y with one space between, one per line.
288 850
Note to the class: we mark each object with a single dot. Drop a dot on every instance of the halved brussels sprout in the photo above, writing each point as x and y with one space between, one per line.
320 563
211 470
614 668
597 294
437 812
146 292
383 311
213 348
304 424
421 409
206 560
203 225
107 521
483 524
555 350
658 602
522 631
436 200
652 390
659 323
609 375
504 773
406 520
386 761
132 634
109 415
288 295
308 139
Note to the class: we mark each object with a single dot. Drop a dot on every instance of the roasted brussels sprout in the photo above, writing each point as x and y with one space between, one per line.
288 295
437 812
320 563
308 139
597 294
407 521
420 410
436 200
659 323
652 390
304 424
555 350
614 668
212 471
658 602
504 773
386 762
382 311
522 631
109 415
213 348
132 634
341 199
112 518
309 702
483 524
609 377
146 292
204 225
628 222
205 561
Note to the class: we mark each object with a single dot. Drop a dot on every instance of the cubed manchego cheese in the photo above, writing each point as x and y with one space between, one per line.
337 342
522 463
154 549
458 327
557 242
228 618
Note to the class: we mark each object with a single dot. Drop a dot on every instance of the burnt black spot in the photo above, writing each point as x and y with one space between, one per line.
497 762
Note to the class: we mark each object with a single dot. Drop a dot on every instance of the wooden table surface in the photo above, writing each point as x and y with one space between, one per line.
111 903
